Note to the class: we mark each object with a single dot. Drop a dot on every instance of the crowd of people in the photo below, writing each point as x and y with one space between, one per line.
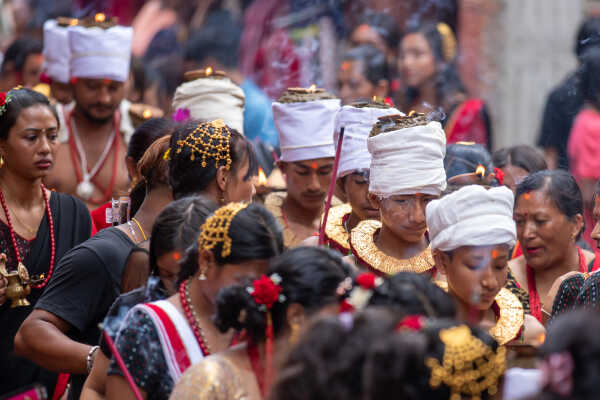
183 217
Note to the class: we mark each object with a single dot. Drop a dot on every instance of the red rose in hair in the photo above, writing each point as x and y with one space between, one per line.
411 323
499 175
366 280
265 292
2 99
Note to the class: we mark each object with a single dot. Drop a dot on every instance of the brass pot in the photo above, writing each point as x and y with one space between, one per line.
18 284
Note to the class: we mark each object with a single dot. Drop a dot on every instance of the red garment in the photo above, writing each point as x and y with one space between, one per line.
99 217
467 124
584 156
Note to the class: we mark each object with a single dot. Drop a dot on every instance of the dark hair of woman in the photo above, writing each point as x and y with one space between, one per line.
465 158
385 25
522 156
187 176
255 235
177 226
310 277
21 99
588 36
589 77
18 51
143 136
152 166
561 188
373 62
397 362
447 80
575 335
414 294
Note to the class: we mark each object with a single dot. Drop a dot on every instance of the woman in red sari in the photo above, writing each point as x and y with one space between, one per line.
549 216
427 63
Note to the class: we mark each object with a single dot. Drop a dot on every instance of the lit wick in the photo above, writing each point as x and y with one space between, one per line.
208 71
480 171
147 114
262 177
312 88
99 17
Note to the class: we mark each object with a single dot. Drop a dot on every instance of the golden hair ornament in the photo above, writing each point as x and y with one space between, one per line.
469 366
216 228
448 41
210 140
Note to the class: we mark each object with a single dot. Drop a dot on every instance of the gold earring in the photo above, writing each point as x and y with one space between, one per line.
202 276
1 161
295 332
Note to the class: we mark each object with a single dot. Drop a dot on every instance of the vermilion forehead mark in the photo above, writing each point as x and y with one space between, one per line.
107 81
314 166
176 256
345 66
527 196
494 254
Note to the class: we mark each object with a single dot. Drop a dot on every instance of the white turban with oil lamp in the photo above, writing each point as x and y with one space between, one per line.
306 129
472 216
211 98
56 51
357 123
408 161
100 53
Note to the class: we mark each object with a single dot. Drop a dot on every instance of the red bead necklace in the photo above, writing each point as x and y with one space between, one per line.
192 317
14 240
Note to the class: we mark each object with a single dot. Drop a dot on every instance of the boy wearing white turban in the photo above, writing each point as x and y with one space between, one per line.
472 231
95 130
352 180
304 119
406 172
55 68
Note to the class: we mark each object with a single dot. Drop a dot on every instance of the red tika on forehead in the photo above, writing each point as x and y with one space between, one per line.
176 256
527 196
314 166
494 254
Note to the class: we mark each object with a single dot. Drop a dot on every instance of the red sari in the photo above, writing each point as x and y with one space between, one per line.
467 123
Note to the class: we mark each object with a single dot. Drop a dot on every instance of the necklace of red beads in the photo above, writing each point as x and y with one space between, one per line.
14 240
192 317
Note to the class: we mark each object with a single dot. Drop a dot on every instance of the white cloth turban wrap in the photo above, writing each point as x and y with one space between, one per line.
408 161
208 99
472 216
100 53
357 123
56 52
306 129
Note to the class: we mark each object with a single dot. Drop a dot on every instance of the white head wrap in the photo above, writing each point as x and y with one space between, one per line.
100 53
408 161
56 52
472 216
208 99
306 129
357 123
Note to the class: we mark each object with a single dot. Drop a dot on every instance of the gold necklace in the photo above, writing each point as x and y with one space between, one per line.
364 248
335 229
140 228
511 318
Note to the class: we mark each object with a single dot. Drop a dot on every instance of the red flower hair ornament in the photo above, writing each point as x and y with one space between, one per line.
4 100
411 323
266 291
499 175
360 294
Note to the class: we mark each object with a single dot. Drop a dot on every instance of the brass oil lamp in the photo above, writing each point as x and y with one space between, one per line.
18 286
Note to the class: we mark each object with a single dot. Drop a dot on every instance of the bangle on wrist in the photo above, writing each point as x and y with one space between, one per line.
90 358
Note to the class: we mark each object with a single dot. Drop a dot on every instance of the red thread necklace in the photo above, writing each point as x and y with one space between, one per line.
257 367
535 304
192 317
75 159
14 240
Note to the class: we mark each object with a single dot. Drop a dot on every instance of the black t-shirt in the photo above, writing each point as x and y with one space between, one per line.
86 282
562 106
72 226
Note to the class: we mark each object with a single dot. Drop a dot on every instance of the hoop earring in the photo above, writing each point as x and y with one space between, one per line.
1 161
202 276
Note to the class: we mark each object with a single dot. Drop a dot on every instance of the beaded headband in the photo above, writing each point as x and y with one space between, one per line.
208 140
469 366
216 228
